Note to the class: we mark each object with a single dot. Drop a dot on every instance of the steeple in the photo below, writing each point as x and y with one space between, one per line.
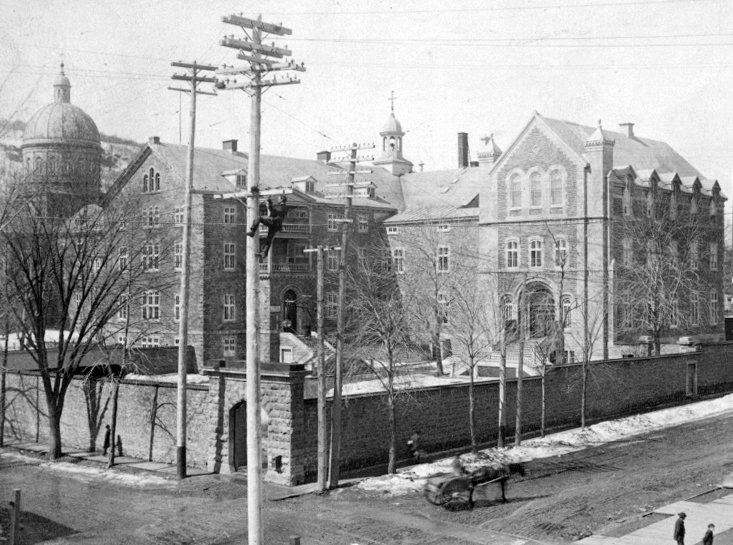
490 152
391 157
62 87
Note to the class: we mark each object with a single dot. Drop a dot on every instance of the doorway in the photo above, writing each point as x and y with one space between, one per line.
290 312
238 436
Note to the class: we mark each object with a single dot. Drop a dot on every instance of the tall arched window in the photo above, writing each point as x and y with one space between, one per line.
561 252
157 182
515 191
145 183
507 308
535 253
512 254
555 188
567 308
535 190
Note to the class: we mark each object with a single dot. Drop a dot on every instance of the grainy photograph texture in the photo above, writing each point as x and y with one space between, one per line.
337 272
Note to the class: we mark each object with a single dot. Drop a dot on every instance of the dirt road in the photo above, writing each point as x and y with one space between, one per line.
601 490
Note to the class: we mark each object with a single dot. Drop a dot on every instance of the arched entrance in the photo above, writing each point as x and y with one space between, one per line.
540 305
238 436
290 312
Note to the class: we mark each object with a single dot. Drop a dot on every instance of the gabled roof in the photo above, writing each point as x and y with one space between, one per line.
434 214
454 188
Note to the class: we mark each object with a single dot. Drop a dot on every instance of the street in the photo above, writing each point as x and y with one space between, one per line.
604 490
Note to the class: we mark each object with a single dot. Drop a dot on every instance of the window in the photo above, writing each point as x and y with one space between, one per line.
693 205
286 354
229 256
331 304
150 342
628 252
332 225
398 260
507 308
555 188
625 311
229 346
332 261
694 255
151 181
177 307
561 252
512 254
230 214
694 308
713 209
229 307
535 253
363 222
443 227
628 209
150 257
515 191
151 305
178 255
146 183
392 230
674 314
535 190
443 305
123 258
241 180
178 215
77 299
443 263
713 256
567 308
151 216
713 307
122 310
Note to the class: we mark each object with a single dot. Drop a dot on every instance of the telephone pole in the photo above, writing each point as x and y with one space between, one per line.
335 453
263 61
194 79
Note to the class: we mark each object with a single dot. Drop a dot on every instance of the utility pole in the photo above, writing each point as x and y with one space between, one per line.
252 79
194 78
335 454
322 428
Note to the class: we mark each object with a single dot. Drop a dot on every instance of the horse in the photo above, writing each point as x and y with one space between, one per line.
500 473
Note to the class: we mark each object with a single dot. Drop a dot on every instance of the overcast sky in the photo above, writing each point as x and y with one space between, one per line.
474 66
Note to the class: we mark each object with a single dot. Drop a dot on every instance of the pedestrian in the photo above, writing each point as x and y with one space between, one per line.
707 539
679 529
273 221
414 445
119 445
106 443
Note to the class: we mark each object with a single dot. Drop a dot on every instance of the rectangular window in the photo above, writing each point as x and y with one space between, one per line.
122 260
122 311
443 228
331 304
713 307
332 261
229 256
535 253
150 257
392 230
713 256
178 215
694 255
443 305
443 262
332 224
286 354
398 259
555 188
363 222
177 308
694 308
151 305
230 214
229 307
229 346
150 342
512 254
674 314
178 255
515 192
151 216
561 252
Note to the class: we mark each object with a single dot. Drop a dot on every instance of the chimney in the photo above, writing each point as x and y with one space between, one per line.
421 165
462 150
229 145
629 129
323 156
154 140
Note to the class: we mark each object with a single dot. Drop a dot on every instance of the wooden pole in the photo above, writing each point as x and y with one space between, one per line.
14 537
520 373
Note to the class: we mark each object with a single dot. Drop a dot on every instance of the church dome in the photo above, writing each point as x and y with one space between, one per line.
392 125
61 122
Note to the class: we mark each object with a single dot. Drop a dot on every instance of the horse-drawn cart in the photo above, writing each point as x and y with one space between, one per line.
454 491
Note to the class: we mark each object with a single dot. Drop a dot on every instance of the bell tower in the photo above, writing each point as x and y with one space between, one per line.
391 158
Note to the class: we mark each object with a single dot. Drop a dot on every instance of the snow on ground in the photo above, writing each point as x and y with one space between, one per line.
89 474
412 479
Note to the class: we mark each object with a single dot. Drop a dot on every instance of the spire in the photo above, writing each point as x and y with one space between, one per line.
62 87
599 138
489 152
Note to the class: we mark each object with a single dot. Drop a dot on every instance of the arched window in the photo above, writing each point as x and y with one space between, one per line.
145 183
535 190
512 254
157 182
561 252
555 188
507 308
52 164
567 307
515 191
535 253
627 202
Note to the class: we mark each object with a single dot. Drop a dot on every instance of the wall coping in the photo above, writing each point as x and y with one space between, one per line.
267 370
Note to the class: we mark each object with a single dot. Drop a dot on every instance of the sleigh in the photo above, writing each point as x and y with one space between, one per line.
455 492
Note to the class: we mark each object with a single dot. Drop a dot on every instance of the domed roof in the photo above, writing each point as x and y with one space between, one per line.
392 125
61 121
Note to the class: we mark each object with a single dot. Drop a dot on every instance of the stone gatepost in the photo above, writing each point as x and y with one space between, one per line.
282 414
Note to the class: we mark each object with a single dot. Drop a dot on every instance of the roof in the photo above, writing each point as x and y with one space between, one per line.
435 213
61 122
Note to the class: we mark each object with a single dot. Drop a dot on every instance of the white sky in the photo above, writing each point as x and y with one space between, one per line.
476 66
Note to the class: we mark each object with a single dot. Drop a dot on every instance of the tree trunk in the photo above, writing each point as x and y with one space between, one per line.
520 373
54 433
472 410
392 464
2 403
113 425
584 384
502 400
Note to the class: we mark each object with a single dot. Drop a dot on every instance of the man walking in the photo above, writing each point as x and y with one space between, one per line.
708 537
106 443
679 529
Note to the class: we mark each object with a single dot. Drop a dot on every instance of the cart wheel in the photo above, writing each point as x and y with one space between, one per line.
433 495
457 493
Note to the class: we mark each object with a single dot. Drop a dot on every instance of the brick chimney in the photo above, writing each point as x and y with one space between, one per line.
628 128
323 156
462 150
229 145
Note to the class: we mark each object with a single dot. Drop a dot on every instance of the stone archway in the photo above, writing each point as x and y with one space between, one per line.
540 305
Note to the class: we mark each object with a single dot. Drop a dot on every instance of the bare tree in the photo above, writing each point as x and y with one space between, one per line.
70 277
378 318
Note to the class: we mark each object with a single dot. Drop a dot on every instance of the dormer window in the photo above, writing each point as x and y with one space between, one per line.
241 180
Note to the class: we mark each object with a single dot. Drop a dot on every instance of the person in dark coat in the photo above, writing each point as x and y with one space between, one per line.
273 220
106 443
707 539
679 529
414 445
